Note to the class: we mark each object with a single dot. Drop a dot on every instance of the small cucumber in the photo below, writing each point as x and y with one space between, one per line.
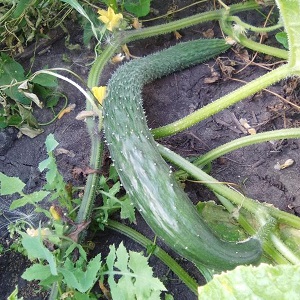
146 176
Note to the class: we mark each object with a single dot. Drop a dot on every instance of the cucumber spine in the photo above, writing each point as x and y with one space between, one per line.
146 176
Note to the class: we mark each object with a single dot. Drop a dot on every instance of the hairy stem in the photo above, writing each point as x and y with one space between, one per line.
250 44
217 187
210 109
247 26
290 133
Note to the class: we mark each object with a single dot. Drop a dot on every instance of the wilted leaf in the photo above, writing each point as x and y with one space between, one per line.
29 131
66 110
69 153
85 114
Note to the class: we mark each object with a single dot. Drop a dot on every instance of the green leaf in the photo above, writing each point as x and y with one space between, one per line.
111 203
80 277
263 282
127 210
10 185
81 296
36 249
136 281
45 80
12 72
14 120
80 249
139 8
14 295
32 198
37 272
221 221
21 7
80 9
282 38
51 143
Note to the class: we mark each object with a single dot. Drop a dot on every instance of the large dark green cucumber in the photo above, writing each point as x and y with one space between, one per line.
146 176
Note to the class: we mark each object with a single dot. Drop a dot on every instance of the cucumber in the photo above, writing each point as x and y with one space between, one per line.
146 176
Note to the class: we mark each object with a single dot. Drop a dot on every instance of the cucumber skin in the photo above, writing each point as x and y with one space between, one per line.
146 176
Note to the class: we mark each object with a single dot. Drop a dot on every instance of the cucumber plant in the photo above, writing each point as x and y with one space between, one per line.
147 178
116 132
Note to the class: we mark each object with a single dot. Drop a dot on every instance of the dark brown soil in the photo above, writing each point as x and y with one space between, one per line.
166 100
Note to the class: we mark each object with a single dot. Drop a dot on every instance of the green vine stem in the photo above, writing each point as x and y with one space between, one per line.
158 252
124 37
247 26
290 133
282 248
93 126
254 207
232 195
218 105
240 37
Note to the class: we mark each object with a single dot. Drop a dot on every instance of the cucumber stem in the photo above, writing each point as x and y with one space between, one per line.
284 250
250 44
158 252
235 197
290 133
247 26
210 109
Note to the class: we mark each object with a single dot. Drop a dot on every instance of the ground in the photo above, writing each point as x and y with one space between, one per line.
166 100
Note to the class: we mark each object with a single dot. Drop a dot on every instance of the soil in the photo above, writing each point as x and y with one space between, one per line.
165 100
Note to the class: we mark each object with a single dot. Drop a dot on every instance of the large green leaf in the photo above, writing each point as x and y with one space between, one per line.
139 8
37 272
36 249
264 282
10 185
12 72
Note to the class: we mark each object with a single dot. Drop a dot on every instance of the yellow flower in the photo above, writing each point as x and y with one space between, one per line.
54 213
99 93
109 18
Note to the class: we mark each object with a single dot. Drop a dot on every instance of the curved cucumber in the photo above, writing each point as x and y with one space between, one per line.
146 176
